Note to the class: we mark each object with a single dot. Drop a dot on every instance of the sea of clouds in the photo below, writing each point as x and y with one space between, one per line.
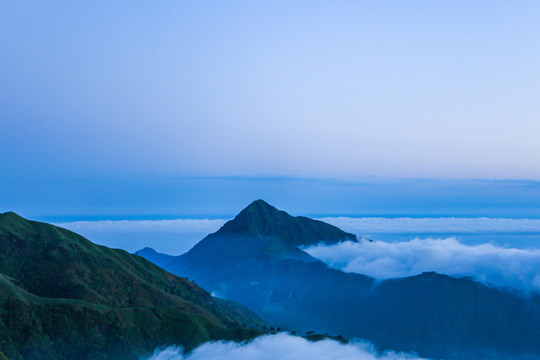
280 346
172 237
178 236
123 226
447 225
487 262
492 265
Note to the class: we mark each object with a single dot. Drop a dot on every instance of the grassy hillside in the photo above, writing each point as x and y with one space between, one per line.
63 297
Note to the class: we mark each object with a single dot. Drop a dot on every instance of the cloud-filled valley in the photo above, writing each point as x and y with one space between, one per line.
487 262
490 264
280 346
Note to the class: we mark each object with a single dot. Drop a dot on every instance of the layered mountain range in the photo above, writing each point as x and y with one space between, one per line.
64 297
257 260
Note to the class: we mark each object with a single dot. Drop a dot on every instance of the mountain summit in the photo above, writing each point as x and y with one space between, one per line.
261 219
256 259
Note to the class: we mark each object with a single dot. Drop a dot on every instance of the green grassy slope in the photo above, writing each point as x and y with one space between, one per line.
63 297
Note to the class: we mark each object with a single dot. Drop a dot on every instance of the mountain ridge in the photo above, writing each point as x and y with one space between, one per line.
434 315
64 297
160 259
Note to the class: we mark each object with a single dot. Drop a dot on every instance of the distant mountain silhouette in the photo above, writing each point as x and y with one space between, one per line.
161 260
63 297
256 260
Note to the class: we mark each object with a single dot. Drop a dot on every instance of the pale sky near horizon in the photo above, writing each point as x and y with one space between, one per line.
415 89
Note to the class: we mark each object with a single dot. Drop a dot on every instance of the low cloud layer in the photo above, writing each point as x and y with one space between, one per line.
177 225
379 225
280 346
490 264
178 236
168 236
363 225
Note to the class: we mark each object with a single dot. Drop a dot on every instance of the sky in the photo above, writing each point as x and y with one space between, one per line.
247 88
157 198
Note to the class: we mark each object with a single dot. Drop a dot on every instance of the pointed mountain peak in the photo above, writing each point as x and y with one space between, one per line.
148 250
157 258
260 209
262 219
260 205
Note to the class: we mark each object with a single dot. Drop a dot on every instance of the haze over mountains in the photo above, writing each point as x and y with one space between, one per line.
256 260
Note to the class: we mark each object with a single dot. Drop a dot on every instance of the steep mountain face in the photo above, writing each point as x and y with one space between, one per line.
255 259
63 297
261 219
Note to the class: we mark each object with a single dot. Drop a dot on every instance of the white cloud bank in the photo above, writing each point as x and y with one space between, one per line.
490 264
179 235
121 226
280 346
380 225
362 225
172 237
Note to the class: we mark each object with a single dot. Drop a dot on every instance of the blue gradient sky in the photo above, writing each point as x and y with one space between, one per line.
106 91
171 198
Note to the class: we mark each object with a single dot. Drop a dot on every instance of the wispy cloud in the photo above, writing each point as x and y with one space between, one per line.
280 346
373 225
490 264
